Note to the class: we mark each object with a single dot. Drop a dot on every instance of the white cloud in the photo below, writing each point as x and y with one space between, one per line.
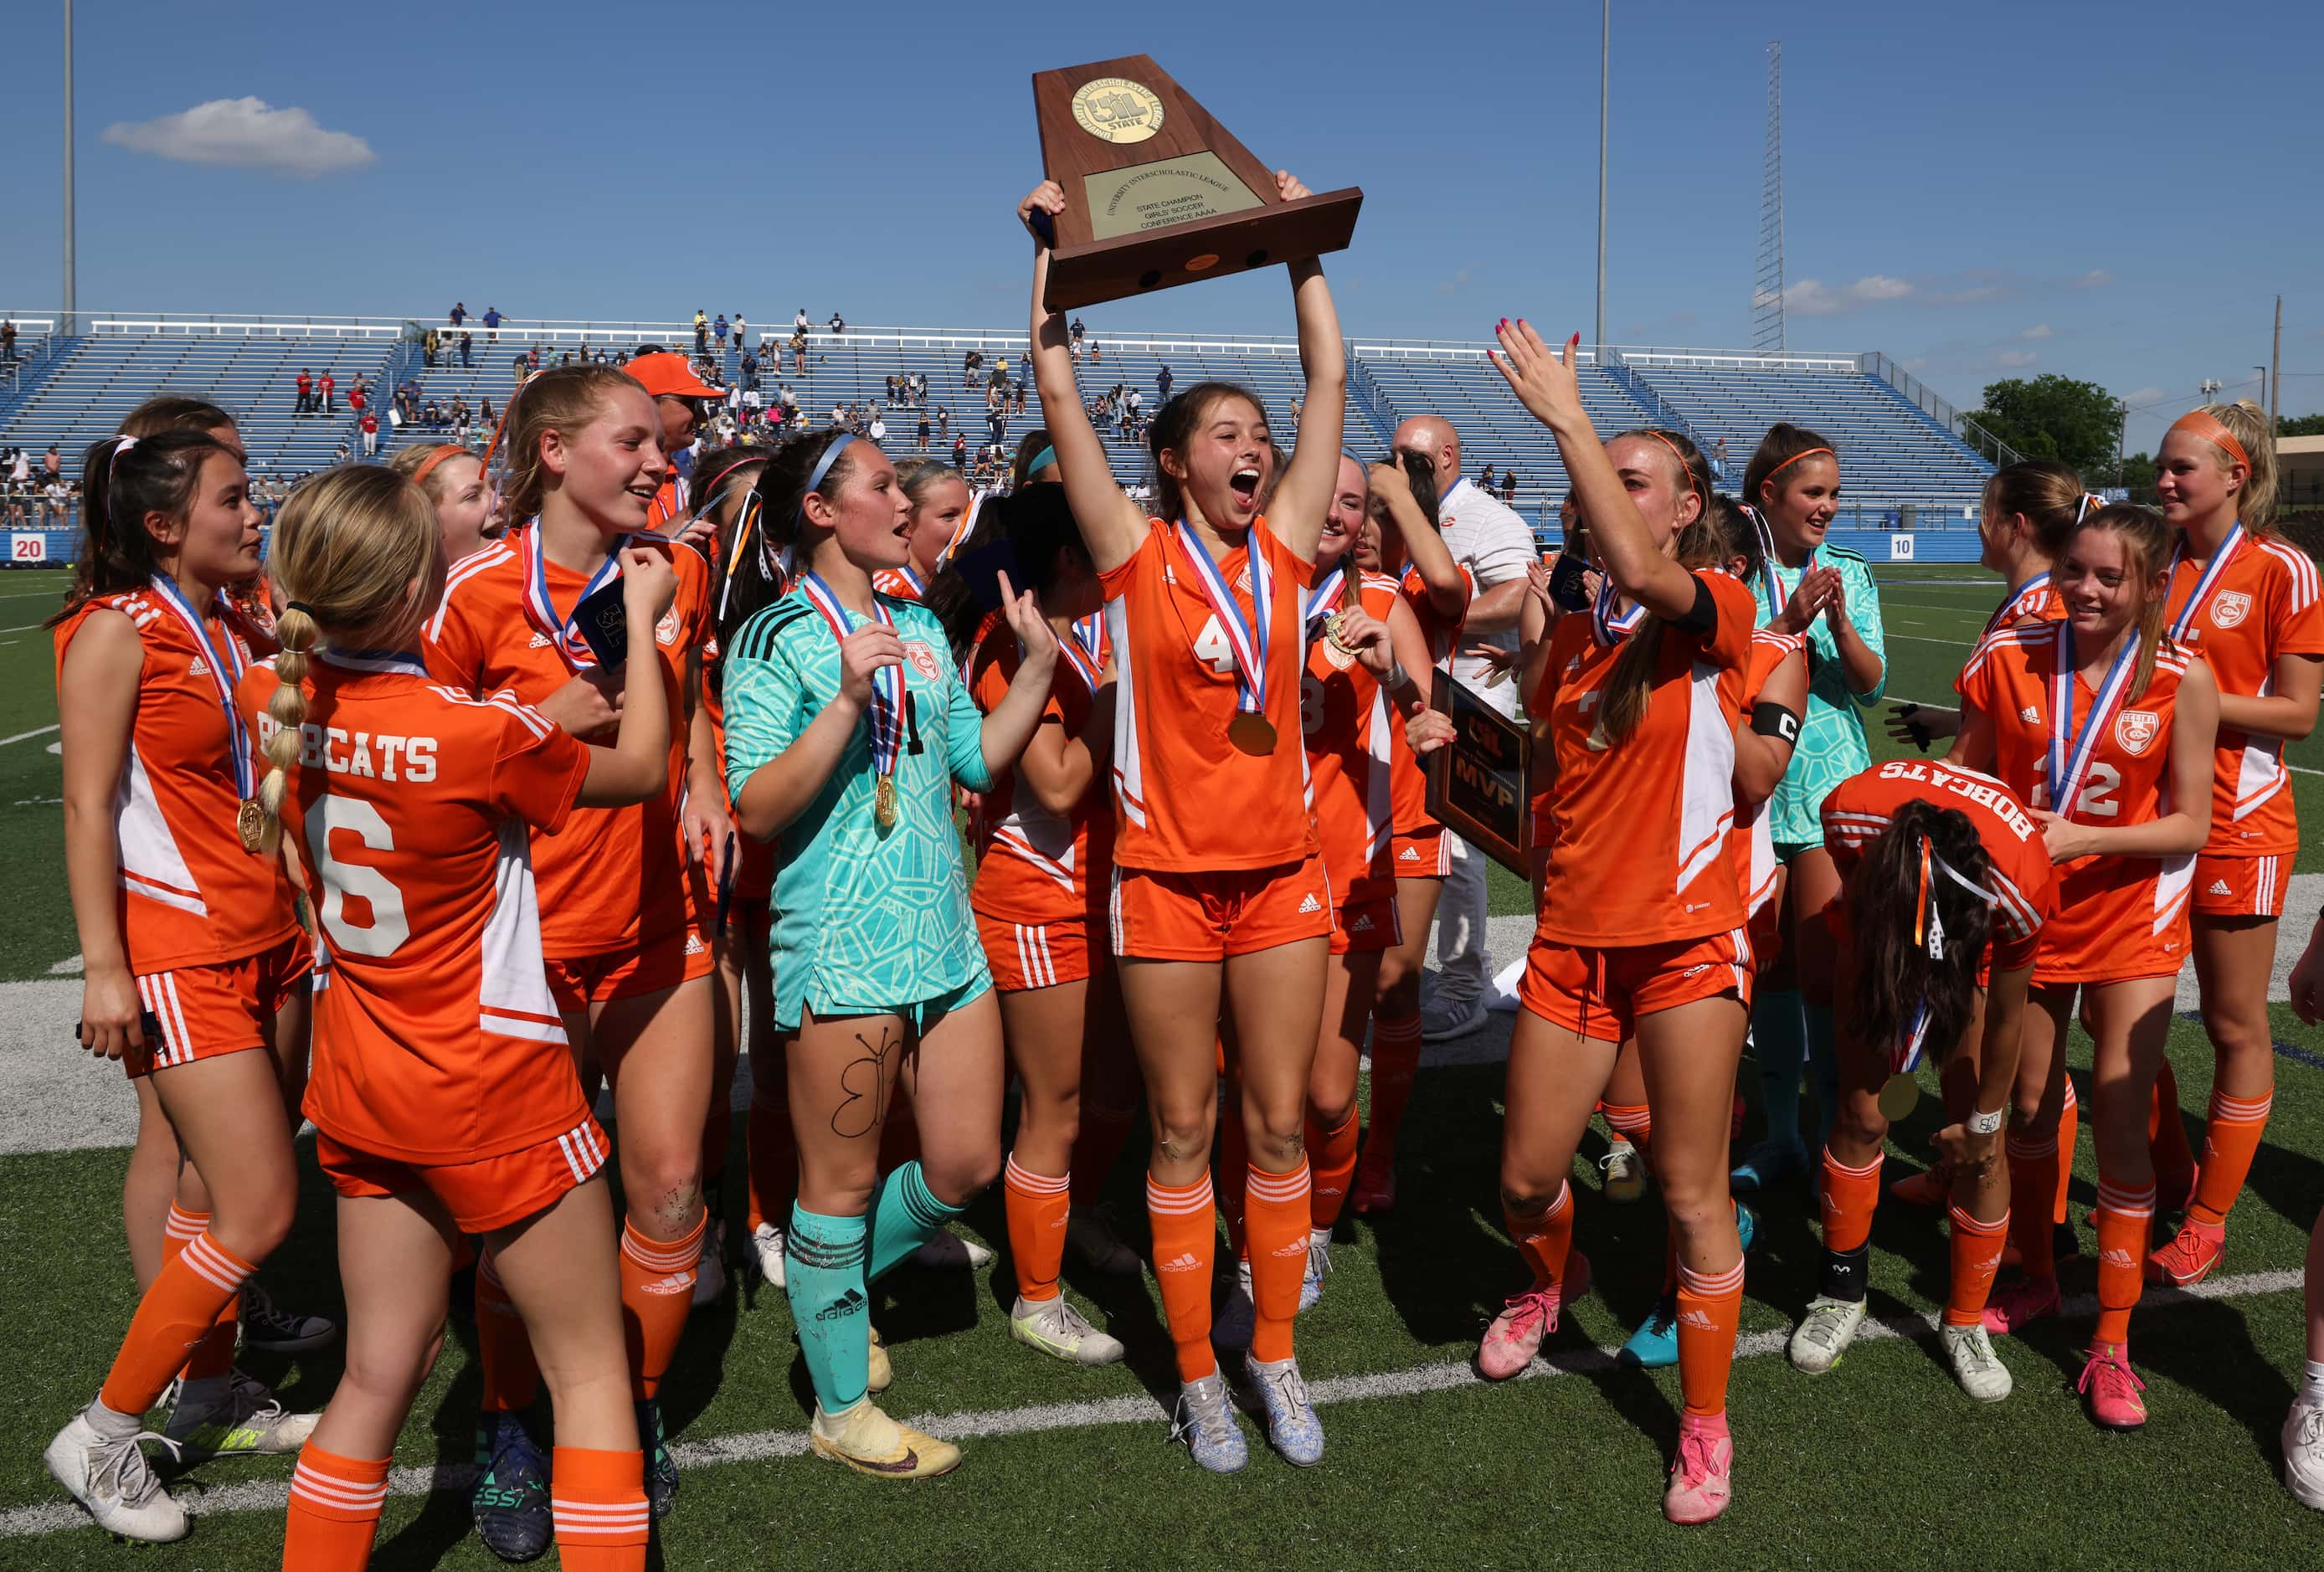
2096 278
1918 363
1814 297
2143 395
2014 358
1456 284
2041 330
247 133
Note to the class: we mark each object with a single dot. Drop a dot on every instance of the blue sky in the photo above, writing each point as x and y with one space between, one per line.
1979 189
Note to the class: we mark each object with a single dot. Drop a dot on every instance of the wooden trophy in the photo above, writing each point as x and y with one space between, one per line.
1158 193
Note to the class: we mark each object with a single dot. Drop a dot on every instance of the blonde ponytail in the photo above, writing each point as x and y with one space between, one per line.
295 631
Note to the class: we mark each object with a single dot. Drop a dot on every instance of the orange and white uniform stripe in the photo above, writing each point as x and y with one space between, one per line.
2117 917
901 583
2263 605
1344 719
1419 850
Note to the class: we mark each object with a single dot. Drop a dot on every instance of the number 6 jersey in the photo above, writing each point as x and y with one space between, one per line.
436 1040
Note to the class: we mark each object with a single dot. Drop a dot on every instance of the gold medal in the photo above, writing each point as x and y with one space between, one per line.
1335 633
1899 1097
1251 732
250 823
1498 676
883 803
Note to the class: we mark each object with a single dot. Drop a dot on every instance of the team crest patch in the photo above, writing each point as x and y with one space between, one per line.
924 659
2229 607
666 630
1341 659
2135 730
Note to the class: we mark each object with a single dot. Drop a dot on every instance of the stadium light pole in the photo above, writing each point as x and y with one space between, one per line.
67 326
1605 76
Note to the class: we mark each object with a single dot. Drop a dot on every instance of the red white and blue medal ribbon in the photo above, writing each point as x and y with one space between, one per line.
910 576
2208 581
2009 610
226 670
1247 636
1323 601
1083 663
887 682
2071 749
1609 628
1090 631
563 634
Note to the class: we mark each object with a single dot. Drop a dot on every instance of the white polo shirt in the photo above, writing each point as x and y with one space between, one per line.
1494 544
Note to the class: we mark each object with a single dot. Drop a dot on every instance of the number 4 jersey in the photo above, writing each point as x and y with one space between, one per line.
436 1040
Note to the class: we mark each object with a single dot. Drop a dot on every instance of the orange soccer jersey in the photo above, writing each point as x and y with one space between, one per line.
614 878
190 896
1344 715
1637 852
1188 799
2034 601
1034 867
901 584
2261 604
2117 917
1409 783
1752 841
436 1040
2022 882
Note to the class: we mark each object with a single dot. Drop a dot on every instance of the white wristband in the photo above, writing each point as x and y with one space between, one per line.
1981 1123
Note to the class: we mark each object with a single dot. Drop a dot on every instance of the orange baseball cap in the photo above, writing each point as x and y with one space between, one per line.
668 375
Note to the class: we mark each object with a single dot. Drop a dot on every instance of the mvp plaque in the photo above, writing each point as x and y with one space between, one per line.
1158 193
1477 785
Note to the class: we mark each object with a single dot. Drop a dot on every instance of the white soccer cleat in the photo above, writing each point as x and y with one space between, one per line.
1059 1330
1981 1374
1319 1266
1824 1333
767 1244
234 1416
1626 1172
2303 1451
107 1473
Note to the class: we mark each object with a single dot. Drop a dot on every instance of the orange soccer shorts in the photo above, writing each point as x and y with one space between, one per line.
2239 886
1029 955
1366 918
1423 854
1209 916
581 981
205 1011
1600 994
491 1192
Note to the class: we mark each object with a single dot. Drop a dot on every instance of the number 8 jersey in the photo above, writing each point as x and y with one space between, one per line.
2118 917
436 1040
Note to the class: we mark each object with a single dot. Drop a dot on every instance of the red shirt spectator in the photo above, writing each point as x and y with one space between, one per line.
306 384
356 398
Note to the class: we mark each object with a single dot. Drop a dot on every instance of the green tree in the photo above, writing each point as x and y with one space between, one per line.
2055 416
2300 426
2138 479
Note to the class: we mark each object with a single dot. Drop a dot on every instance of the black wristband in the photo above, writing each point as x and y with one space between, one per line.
1775 721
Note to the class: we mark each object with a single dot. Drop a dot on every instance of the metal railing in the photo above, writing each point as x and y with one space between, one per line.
1367 395
1916 392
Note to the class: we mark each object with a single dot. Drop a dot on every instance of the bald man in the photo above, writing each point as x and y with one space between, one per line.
1496 546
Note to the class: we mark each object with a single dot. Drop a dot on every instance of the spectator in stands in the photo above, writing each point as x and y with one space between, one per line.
1718 459
1497 549
20 470
838 323
1077 330
1162 380
341 456
459 312
485 414
701 332
838 413
358 396
920 440
492 325
718 332
944 423
429 346
739 325
1485 478
748 365
960 451
799 323
53 504
8 339
996 424
1509 484
370 426
468 343
968 364
306 393
52 464
329 386
798 350
879 429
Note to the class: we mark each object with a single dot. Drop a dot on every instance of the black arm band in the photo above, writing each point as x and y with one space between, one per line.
1702 617
1774 720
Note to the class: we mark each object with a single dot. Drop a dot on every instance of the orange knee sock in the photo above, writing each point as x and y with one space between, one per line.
511 1378
2069 1123
1848 1197
2034 1167
335 1507
1396 1065
1331 1158
2122 1221
1976 1256
2166 1132
1037 1206
2230 1142
1709 1303
656 1293
1546 1237
214 1357
598 1503
1634 1122
1277 1207
772 1156
1097 1147
1186 1223
176 1312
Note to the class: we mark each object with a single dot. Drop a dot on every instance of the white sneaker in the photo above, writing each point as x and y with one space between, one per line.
767 1242
710 1265
948 1252
233 1416
1981 1374
1319 1266
1059 1330
1445 1019
107 1473
1091 1233
1824 1333
2303 1449
1625 1176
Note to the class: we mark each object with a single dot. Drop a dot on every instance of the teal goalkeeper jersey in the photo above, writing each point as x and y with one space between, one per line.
1831 746
864 919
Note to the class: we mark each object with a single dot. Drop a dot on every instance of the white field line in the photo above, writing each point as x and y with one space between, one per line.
27 736
766 1446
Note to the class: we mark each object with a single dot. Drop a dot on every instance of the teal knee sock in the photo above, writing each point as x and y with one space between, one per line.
1823 1061
905 1215
1779 1041
824 1279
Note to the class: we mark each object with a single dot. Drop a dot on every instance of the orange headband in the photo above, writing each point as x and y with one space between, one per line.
1684 468
1796 458
443 451
2212 429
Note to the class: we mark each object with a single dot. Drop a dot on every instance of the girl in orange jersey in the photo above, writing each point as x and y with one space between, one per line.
1946 885
444 1091
454 482
2245 600
625 954
940 507
1400 539
2130 770
1641 925
1219 898
1045 835
190 949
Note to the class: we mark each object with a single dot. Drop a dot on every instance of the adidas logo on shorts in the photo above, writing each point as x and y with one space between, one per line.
1360 925
1310 904
694 944
1409 854
1189 1262
2218 887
